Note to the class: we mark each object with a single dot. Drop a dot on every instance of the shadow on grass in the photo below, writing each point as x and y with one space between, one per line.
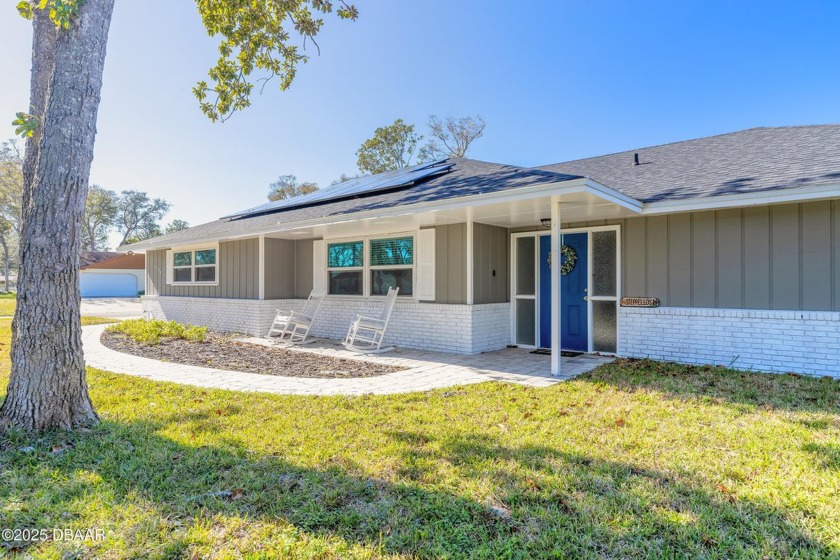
718 384
827 454
539 502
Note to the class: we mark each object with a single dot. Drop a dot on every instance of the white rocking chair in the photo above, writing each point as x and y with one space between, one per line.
366 334
292 327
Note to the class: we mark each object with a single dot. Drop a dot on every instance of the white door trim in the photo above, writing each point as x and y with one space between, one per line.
513 271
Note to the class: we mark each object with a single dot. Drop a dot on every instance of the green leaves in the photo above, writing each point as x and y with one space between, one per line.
390 148
25 9
267 36
25 124
62 12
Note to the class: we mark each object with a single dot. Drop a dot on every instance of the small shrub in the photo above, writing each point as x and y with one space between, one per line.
151 331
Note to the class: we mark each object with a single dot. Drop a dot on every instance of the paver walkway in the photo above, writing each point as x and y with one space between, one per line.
427 370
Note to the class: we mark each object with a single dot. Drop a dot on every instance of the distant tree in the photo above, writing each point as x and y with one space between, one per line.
287 186
390 148
451 137
47 386
11 195
138 216
345 177
176 225
100 212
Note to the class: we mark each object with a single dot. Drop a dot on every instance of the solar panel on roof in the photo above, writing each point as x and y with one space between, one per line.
352 188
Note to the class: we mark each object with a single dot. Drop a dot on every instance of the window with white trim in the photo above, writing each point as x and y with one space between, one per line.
371 266
345 268
392 265
197 266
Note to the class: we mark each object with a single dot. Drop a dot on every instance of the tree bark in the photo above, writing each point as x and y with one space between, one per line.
47 385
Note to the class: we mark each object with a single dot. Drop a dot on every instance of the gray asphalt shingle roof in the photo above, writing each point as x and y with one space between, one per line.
467 177
753 160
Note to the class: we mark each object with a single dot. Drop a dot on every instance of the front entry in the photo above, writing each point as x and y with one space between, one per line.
574 328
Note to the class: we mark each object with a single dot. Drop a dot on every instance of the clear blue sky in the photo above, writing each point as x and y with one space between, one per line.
554 81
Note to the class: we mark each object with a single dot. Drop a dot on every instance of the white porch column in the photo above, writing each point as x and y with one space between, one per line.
555 287
470 262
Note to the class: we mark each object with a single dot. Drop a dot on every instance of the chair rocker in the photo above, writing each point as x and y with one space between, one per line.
292 327
366 334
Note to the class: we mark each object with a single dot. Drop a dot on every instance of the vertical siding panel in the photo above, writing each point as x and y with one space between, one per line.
503 271
679 260
635 257
785 256
729 259
656 270
479 264
303 268
457 263
238 264
835 239
757 258
250 270
703 259
816 256
441 264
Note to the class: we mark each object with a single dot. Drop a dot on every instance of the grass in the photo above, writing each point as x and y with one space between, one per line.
151 332
635 460
7 303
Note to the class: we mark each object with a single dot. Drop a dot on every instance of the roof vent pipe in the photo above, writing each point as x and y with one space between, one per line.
636 158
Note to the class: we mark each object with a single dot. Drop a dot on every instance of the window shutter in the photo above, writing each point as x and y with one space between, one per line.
425 288
319 267
169 266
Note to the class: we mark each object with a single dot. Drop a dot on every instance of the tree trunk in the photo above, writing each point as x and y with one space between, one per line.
47 385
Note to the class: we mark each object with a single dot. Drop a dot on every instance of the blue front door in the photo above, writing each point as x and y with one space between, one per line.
574 320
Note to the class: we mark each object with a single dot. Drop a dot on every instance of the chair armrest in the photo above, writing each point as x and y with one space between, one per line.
369 319
295 314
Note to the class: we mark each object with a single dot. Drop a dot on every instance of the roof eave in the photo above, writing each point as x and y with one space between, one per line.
578 184
740 200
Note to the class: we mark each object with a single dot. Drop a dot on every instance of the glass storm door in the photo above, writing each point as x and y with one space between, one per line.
588 297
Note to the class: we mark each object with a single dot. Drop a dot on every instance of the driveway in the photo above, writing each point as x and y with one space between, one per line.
112 308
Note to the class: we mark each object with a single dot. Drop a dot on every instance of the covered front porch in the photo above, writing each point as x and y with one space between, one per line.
494 283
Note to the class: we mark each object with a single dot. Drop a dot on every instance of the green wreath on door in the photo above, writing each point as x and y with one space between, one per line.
568 257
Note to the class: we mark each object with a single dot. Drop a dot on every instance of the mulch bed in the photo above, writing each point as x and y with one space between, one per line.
223 351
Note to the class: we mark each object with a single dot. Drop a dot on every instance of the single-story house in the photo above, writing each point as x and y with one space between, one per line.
112 274
720 250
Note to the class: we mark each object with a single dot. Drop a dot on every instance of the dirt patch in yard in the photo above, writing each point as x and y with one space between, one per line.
223 351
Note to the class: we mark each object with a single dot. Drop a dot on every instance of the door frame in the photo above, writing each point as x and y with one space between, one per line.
536 234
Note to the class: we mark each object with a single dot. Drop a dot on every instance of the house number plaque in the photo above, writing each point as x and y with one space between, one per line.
639 302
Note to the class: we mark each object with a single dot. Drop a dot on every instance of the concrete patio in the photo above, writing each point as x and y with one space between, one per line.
426 370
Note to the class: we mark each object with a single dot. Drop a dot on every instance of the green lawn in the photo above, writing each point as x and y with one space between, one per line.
7 303
636 460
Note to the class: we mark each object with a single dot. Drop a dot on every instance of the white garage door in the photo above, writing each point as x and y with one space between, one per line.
108 285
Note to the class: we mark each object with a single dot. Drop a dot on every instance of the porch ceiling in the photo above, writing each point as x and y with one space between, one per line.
576 207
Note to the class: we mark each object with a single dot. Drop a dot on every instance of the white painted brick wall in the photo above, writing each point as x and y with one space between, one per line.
461 329
776 341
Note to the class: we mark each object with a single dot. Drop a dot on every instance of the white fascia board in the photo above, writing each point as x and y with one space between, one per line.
763 198
522 193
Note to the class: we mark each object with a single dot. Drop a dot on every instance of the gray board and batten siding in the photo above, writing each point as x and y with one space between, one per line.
782 257
288 268
238 270
491 264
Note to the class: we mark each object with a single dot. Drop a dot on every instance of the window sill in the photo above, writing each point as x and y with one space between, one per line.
192 283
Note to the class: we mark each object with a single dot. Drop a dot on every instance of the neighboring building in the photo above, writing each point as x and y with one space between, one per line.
111 274
736 236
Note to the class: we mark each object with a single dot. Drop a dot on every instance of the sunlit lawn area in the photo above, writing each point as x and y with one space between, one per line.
636 459
7 303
